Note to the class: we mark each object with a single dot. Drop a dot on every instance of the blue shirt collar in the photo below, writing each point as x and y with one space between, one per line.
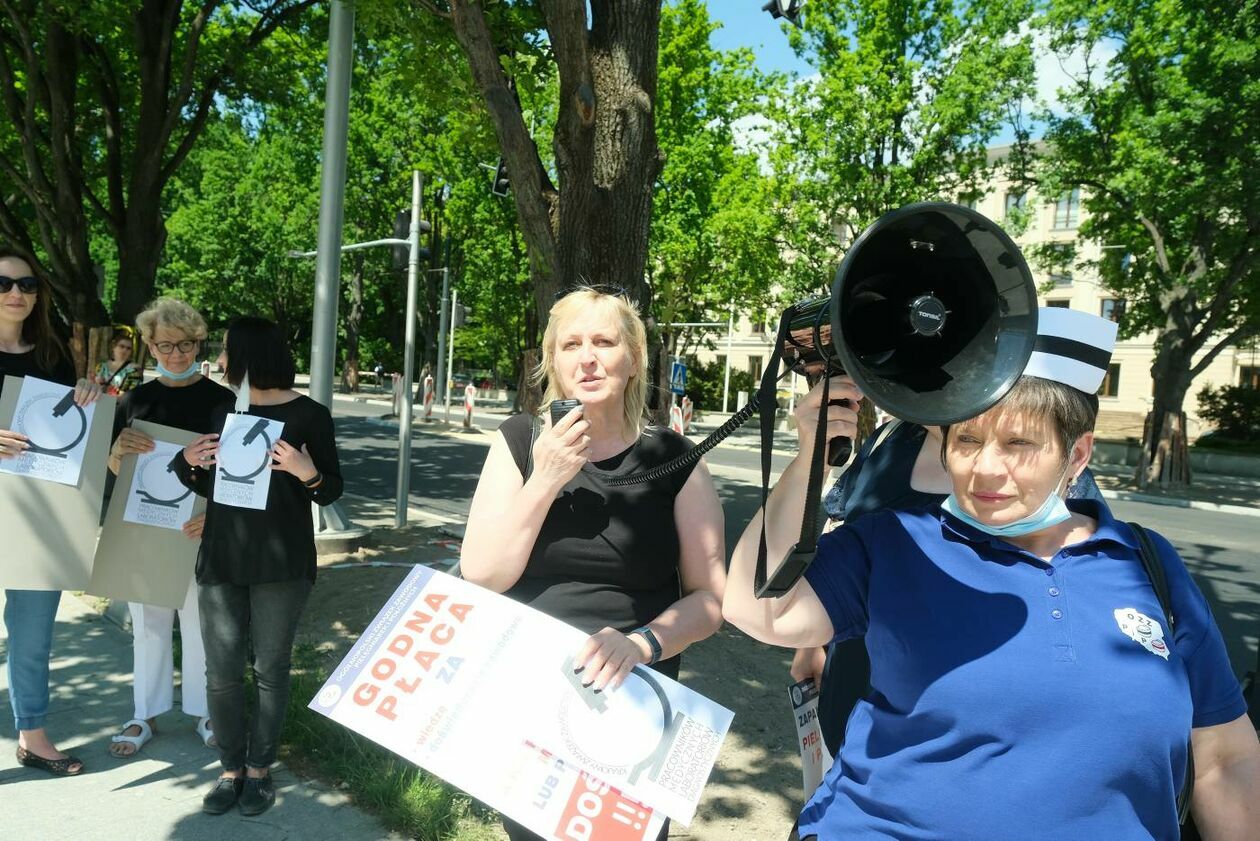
1109 528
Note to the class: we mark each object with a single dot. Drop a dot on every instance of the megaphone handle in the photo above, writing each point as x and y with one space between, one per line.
839 450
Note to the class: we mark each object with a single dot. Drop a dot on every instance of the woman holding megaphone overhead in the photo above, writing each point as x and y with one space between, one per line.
28 347
639 568
1023 682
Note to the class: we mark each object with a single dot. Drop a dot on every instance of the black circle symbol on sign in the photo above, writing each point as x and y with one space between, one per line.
142 471
258 430
60 408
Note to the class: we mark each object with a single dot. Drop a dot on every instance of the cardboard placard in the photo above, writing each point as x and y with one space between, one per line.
50 528
149 564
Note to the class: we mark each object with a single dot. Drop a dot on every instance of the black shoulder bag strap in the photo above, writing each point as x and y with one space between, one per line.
1159 581
535 425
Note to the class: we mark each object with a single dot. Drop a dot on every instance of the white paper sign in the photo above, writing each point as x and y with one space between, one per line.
56 429
815 758
156 496
480 690
243 474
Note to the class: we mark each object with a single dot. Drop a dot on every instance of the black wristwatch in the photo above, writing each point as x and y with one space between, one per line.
652 641
314 481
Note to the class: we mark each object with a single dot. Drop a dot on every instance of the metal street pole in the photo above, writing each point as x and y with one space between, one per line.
332 200
331 519
443 316
450 351
726 377
409 359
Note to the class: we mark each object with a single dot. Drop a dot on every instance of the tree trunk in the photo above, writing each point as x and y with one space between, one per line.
1165 460
140 246
354 319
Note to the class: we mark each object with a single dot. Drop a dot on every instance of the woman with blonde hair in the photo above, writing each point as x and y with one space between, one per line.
641 567
180 397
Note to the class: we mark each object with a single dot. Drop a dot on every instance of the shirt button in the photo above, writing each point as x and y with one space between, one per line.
1054 591
1049 570
1057 614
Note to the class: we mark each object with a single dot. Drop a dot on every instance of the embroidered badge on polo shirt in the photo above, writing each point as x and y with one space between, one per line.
1142 629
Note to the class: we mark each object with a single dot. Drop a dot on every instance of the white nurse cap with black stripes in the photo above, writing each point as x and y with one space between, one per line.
1073 348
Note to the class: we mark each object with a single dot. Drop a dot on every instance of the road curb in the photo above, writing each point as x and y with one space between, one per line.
1129 496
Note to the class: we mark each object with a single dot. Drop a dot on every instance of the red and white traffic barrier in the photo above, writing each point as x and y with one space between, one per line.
676 419
428 398
470 397
686 415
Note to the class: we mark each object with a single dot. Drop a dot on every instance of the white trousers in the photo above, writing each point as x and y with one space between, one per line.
155 663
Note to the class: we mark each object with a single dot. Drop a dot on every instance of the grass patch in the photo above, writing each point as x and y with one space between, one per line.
405 798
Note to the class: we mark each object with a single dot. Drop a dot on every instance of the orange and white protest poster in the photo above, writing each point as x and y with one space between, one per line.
480 690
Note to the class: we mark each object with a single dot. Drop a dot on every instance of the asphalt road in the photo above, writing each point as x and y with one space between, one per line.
1221 550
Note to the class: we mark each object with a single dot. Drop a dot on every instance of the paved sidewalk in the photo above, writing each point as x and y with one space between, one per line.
157 794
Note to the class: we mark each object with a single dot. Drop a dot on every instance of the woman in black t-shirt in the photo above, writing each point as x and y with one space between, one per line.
181 398
28 347
256 567
640 568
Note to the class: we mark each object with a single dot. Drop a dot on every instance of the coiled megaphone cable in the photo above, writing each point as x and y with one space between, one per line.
693 455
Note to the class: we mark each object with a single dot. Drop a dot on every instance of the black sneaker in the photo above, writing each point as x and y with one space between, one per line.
224 794
258 796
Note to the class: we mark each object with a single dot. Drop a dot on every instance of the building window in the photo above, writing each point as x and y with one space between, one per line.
1067 209
969 200
1112 309
1249 376
1061 279
754 369
1015 201
1062 303
1111 382
758 326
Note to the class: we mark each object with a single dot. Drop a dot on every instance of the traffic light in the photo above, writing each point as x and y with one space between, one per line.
500 185
459 315
788 9
402 230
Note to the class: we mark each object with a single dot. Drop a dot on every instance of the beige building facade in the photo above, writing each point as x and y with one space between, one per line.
1126 394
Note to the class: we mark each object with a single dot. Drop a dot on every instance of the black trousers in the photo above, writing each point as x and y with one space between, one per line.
233 617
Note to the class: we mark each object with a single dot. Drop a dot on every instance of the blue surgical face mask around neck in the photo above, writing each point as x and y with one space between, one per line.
193 370
1052 512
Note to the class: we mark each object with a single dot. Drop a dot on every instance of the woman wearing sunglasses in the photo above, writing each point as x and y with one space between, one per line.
28 347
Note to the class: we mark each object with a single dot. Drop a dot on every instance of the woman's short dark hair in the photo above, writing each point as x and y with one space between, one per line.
121 336
256 346
1070 411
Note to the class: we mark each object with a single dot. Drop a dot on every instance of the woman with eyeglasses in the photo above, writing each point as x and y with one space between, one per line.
640 568
28 347
180 397
118 374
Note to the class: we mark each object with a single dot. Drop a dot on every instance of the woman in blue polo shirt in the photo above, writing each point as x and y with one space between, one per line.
1023 685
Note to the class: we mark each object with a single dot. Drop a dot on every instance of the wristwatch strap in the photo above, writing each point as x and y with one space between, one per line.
652 641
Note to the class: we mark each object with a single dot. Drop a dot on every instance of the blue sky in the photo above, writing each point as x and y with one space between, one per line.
744 24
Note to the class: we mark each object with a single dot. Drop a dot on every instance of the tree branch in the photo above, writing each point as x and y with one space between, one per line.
188 73
1235 338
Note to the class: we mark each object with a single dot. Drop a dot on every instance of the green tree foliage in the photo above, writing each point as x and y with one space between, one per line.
1163 134
104 100
907 97
713 238
1233 410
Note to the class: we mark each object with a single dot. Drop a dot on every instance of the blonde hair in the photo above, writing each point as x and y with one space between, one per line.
172 313
630 330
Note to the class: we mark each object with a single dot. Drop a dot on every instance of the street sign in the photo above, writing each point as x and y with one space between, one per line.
678 378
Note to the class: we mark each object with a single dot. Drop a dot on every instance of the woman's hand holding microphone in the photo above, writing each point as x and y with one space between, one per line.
560 451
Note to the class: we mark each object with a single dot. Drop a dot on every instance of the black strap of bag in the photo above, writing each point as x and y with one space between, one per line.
1159 581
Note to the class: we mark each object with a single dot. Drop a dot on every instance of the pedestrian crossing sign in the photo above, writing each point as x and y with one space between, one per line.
678 378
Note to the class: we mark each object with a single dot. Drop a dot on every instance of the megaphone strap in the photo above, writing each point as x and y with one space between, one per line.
802 554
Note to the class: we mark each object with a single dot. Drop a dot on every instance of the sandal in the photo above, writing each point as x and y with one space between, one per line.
206 734
56 767
136 742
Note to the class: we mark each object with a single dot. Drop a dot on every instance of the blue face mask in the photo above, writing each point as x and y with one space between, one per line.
193 370
1052 512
